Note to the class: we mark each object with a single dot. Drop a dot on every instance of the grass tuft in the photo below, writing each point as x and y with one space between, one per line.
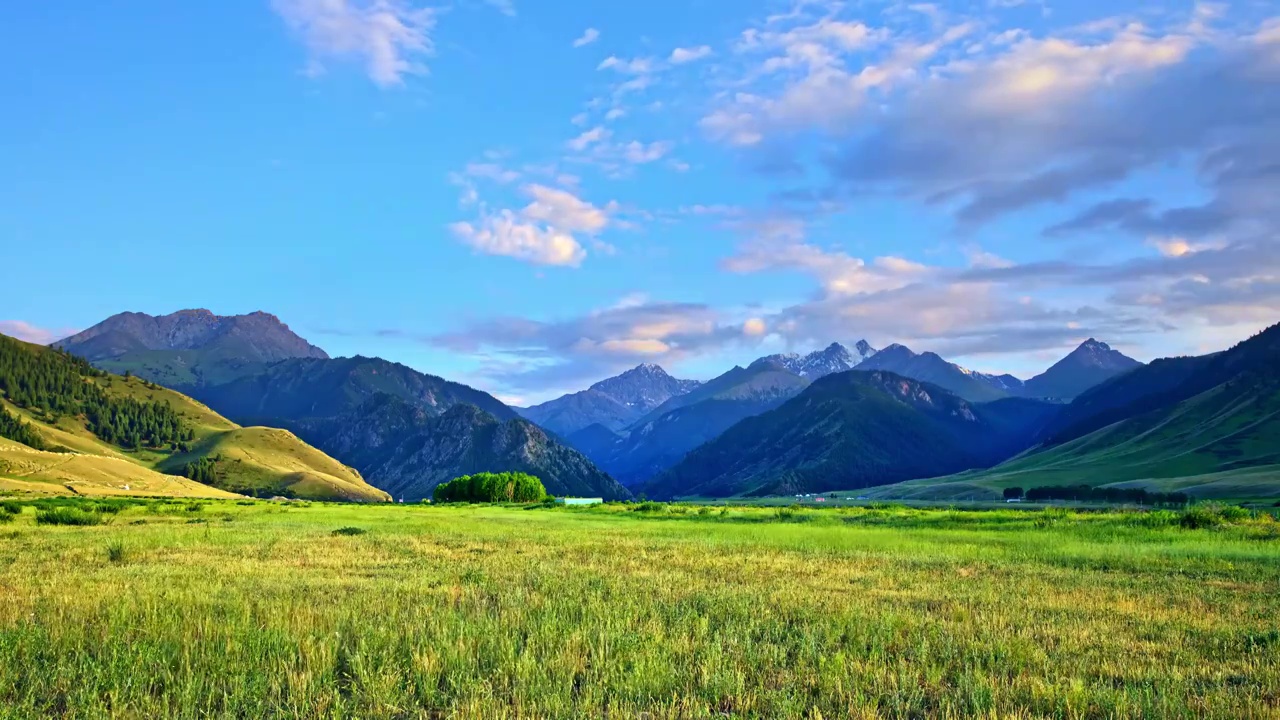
349 531
115 551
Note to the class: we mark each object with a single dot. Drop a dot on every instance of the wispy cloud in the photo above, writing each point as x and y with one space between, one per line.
391 38
32 333
680 56
588 36
506 7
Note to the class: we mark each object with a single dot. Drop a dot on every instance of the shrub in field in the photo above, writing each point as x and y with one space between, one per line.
649 506
349 531
68 516
13 507
1207 515
115 551
1199 517
492 487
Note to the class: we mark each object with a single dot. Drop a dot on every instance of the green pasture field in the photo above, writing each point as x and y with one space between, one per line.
240 609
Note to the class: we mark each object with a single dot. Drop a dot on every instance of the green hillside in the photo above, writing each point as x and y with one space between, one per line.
1170 435
97 433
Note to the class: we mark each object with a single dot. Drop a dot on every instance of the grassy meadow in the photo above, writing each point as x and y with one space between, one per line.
233 609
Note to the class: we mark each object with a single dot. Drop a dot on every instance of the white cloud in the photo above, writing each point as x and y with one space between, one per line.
638 153
528 356
390 37
1177 247
588 36
819 73
635 66
838 273
564 210
680 56
492 171
544 232
504 233
588 138
30 333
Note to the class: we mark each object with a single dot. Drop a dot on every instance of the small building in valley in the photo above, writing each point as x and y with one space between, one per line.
579 501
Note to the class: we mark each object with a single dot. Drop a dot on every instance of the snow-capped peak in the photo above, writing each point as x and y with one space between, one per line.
833 358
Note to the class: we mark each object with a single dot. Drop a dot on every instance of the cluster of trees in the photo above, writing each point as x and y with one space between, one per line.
55 383
204 470
1084 493
492 487
15 429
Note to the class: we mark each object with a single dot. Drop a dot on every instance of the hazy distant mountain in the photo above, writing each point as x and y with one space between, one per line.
613 403
821 363
852 430
1088 365
256 337
929 367
408 452
684 422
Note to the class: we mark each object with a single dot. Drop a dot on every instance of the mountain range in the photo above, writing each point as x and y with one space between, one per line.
854 430
1208 426
931 368
614 403
635 454
835 418
253 369
821 363
663 436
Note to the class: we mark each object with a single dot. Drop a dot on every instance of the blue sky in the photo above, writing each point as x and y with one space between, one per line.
530 196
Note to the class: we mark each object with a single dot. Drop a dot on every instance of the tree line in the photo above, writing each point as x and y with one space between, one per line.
15 429
491 487
1085 493
53 383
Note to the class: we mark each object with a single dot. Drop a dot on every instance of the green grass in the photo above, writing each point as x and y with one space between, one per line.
70 516
677 611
